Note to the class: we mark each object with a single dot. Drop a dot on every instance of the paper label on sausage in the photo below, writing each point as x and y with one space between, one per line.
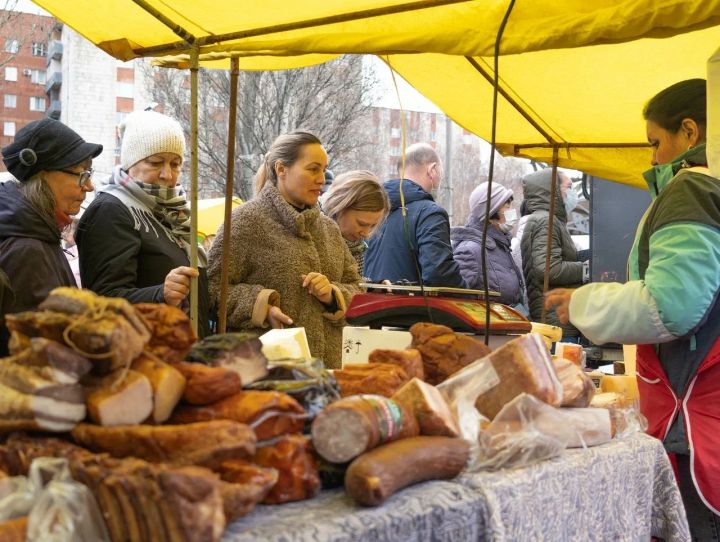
388 414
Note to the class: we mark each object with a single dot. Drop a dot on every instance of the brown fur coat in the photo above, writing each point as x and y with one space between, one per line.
272 245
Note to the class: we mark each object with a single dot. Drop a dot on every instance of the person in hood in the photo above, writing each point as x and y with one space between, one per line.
565 269
134 238
503 276
670 306
289 265
413 243
52 166
358 204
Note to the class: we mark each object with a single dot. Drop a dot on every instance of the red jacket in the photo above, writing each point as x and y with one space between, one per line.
700 408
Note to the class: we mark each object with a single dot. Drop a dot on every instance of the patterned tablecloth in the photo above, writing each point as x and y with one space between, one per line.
621 491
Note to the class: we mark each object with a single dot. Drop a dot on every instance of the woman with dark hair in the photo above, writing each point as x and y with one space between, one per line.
670 307
288 262
52 166
358 203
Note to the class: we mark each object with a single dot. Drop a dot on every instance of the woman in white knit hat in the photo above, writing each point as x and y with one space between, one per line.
503 275
134 238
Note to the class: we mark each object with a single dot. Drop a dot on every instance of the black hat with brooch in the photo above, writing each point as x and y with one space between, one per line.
46 145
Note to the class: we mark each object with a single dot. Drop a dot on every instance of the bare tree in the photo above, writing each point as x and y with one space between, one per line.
329 99
10 43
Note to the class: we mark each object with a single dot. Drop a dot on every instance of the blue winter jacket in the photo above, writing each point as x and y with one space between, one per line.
503 275
427 234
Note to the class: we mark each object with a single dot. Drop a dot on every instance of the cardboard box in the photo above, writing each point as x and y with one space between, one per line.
358 342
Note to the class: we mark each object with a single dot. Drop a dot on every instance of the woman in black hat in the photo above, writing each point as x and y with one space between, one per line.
52 168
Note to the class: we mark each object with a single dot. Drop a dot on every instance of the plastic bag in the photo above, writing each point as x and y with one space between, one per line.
462 390
58 508
627 421
525 431
307 381
578 388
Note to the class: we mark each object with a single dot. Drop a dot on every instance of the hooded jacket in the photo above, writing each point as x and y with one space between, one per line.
272 245
503 275
31 254
565 270
670 308
394 248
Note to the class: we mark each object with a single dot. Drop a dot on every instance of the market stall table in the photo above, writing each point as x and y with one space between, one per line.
621 491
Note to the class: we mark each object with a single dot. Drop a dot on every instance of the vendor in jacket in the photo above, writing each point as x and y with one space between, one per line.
670 307
52 166
289 265
134 239
415 243
565 269
503 276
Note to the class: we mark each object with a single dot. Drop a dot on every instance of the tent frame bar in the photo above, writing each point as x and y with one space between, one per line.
187 38
567 145
489 78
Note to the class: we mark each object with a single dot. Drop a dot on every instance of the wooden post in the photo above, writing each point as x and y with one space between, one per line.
232 123
194 60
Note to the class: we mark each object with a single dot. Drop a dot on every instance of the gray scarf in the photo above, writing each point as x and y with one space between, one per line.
151 205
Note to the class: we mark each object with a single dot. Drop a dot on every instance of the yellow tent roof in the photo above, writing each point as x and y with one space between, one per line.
588 95
568 65
128 28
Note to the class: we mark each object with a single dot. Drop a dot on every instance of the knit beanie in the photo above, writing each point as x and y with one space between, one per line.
145 133
478 199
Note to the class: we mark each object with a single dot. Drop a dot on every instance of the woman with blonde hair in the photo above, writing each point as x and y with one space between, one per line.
288 262
357 202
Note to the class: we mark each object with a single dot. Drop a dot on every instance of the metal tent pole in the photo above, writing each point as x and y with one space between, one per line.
194 60
551 224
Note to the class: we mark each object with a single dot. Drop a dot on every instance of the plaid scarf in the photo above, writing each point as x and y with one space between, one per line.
151 204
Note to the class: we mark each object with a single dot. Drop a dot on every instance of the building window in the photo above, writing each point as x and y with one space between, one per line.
10 101
394 132
12 46
38 76
10 73
9 129
125 90
37 103
39 49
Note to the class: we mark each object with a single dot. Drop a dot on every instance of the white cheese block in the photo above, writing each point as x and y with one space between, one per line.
288 343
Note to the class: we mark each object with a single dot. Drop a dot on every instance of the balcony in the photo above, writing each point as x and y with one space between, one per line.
54 110
54 82
55 51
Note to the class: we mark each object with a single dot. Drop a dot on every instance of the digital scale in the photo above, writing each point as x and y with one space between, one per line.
460 309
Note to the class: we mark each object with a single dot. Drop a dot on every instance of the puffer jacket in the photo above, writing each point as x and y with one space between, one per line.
502 274
394 248
565 269
30 252
670 308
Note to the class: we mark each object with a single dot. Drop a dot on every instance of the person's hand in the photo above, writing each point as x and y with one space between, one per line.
177 285
277 318
559 299
318 285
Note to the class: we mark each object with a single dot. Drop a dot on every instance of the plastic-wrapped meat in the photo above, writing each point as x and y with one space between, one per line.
298 476
241 352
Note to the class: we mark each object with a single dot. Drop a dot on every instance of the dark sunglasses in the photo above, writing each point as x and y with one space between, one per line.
84 177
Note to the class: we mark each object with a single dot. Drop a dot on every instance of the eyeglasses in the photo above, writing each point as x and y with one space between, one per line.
84 177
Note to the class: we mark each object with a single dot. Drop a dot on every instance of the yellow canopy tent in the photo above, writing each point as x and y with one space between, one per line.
466 28
211 214
570 77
